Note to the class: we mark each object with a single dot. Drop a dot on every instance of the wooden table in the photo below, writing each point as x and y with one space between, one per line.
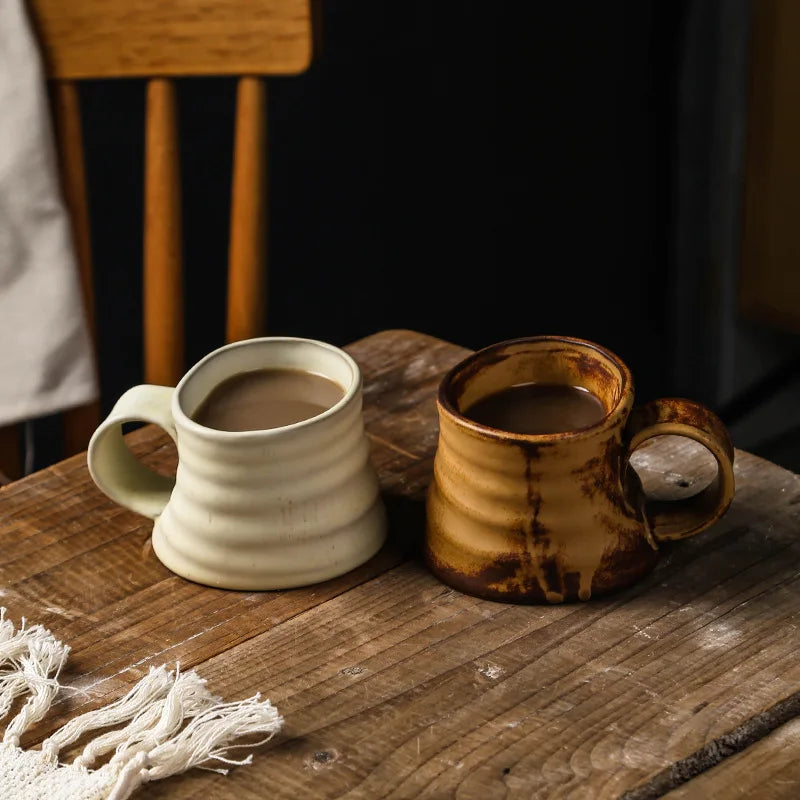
393 685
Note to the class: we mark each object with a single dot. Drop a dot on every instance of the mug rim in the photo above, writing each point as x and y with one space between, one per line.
183 419
609 420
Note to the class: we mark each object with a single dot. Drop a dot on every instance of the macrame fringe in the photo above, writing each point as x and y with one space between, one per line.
142 706
155 723
207 737
155 739
31 659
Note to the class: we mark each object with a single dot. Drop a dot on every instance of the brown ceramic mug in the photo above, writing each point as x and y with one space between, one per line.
555 517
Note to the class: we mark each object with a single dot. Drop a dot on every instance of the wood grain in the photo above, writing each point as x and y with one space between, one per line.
392 684
768 770
149 38
247 252
78 423
402 688
163 282
69 137
84 565
769 278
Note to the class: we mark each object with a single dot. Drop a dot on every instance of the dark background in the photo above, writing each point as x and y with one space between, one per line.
475 177
477 171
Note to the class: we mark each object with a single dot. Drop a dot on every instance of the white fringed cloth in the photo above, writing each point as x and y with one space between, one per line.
166 724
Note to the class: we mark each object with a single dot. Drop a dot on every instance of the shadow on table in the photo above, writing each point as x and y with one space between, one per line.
406 522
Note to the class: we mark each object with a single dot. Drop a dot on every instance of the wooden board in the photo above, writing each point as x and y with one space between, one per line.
393 685
768 770
111 39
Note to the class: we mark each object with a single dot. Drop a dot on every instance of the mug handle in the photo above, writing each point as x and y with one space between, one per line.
115 469
683 518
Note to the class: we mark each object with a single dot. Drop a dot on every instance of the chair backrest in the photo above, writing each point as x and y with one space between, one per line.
159 41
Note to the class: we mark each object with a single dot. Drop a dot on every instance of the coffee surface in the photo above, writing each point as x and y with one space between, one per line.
267 398
538 408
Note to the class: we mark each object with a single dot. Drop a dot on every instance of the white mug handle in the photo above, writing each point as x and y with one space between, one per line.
114 468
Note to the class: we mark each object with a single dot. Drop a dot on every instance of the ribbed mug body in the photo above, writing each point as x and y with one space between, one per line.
536 518
272 508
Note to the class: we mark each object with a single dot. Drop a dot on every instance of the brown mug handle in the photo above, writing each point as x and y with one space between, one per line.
682 518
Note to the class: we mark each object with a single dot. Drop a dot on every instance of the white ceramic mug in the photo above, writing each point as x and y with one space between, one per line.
263 509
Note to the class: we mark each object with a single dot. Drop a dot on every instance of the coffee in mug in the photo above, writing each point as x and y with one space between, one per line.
538 408
261 399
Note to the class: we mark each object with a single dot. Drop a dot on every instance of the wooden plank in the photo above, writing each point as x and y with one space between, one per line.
248 232
394 685
69 136
101 39
163 281
769 277
402 688
78 423
768 770
84 566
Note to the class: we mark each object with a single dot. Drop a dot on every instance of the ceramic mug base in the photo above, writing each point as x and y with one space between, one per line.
493 583
362 539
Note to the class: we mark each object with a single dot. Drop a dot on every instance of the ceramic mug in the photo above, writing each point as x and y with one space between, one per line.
261 509
558 517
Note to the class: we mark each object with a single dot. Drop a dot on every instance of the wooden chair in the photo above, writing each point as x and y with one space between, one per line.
160 41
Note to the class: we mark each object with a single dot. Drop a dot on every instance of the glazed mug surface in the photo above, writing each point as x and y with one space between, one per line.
258 509
544 518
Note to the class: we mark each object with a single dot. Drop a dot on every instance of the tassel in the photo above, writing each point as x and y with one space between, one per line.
187 696
36 658
206 738
15 644
6 628
153 686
